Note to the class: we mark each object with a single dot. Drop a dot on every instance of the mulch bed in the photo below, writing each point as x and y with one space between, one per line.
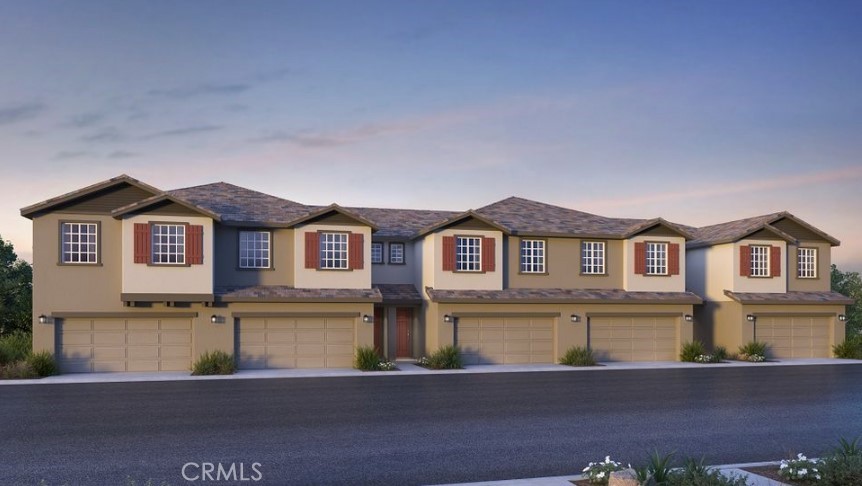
582 482
771 472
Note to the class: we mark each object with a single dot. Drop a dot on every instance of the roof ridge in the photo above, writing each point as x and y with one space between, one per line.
750 218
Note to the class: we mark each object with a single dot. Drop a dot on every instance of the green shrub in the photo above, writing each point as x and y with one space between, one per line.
446 358
691 350
752 349
694 473
851 348
578 356
657 470
848 448
840 470
15 347
18 370
42 363
719 353
214 363
366 359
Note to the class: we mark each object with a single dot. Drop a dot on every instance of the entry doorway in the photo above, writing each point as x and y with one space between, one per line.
404 332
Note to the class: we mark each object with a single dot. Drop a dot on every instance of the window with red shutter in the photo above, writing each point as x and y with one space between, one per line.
312 250
195 245
142 243
488 254
673 259
745 261
775 261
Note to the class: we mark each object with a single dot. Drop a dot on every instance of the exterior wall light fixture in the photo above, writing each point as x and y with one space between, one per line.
43 319
215 319
367 319
688 318
842 317
447 318
575 318
750 318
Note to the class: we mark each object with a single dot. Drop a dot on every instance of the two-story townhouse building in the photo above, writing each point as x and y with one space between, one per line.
766 278
131 278
520 281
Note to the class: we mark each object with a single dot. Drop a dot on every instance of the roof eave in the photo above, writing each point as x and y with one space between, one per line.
458 217
47 204
647 225
329 209
141 205
826 236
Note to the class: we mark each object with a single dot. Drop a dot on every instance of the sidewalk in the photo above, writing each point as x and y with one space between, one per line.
407 368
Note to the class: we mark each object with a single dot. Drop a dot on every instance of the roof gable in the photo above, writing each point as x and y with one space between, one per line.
158 202
733 231
333 209
461 218
101 197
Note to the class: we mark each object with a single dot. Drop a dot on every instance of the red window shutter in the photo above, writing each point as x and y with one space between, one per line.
673 258
195 244
448 253
640 258
142 243
775 261
488 254
357 251
745 261
312 250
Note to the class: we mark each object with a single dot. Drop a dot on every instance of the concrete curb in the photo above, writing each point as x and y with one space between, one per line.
408 368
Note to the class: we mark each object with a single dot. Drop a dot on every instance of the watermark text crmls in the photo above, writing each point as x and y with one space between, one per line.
209 471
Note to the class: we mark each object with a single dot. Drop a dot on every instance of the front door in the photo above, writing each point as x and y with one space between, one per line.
404 331
378 331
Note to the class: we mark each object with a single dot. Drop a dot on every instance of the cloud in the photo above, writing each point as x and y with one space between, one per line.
180 132
121 154
183 93
15 113
72 154
730 188
84 120
110 134
274 75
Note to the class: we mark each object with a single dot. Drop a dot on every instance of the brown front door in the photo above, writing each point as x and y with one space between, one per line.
404 331
378 331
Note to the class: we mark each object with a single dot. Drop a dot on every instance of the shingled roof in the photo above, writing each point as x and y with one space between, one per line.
240 205
401 223
284 293
791 297
576 296
731 231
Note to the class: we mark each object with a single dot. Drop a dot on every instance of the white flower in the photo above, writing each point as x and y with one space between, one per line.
607 459
783 465
801 456
600 475
803 472
586 469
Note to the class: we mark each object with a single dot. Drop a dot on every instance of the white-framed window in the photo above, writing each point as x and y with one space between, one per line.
468 253
656 258
80 243
759 261
254 249
806 261
376 252
169 244
333 251
593 257
532 256
396 253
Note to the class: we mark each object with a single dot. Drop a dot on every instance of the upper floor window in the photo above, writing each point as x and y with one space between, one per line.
759 261
396 253
533 256
254 249
333 251
169 244
80 243
656 258
593 257
376 252
468 253
807 262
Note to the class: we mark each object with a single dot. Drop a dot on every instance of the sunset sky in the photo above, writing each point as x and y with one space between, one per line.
698 112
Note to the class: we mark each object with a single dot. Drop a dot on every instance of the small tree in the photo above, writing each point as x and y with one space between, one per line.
16 291
850 284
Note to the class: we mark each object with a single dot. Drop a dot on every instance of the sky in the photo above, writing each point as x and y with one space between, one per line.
698 112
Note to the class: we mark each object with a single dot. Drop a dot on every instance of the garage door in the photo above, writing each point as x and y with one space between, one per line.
139 344
506 340
295 342
794 336
633 338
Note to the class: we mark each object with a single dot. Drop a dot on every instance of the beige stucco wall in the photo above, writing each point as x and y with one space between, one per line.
140 278
760 284
824 262
567 333
388 273
653 283
563 265
434 276
311 278
227 271
709 271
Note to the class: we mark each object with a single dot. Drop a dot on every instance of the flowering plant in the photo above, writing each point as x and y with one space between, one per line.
600 472
754 358
706 358
386 365
800 469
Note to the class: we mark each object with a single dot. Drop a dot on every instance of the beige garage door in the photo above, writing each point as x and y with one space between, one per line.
633 338
139 344
295 342
794 336
506 340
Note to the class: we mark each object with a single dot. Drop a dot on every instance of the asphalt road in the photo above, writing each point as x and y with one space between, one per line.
405 430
